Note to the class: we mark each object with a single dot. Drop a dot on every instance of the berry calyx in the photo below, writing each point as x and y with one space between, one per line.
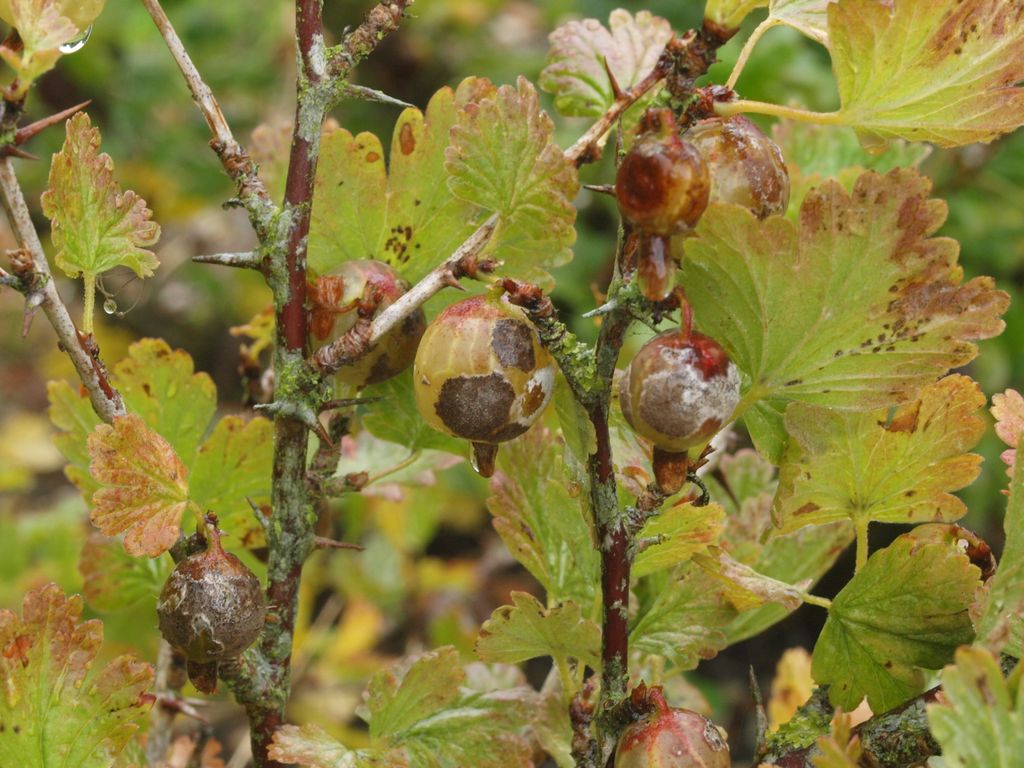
362 289
746 167
481 374
662 184
210 608
671 738
679 390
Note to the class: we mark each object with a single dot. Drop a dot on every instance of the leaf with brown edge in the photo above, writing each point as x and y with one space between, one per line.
865 468
144 488
1008 411
503 158
580 50
942 71
676 535
56 708
855 307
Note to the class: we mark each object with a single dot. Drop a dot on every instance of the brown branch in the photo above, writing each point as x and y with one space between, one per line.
382 20
42 293
365 334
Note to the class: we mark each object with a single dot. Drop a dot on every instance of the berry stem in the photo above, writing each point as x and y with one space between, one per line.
748 48
740 106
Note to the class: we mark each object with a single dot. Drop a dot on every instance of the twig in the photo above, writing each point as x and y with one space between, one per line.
382 20
84 354
244 260
170 679
364 335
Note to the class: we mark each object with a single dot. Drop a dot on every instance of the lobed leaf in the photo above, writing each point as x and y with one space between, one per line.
233 467
503 159
404 214
865 468
677 534
96 226
582 51
730 13
526 629
807 16
1008 411
945 71
311 746
144 486
541 522
979 720
55 709
73 416
744 587
113 580
855 307
905 610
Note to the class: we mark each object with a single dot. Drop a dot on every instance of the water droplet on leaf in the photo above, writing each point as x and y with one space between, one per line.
78 43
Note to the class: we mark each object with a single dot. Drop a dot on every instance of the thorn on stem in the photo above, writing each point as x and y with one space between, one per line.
617 92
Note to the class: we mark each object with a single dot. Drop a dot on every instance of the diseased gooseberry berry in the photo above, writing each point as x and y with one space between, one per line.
671 738
482 374
363 288
746 167
81 13
662 184
210 609
678 391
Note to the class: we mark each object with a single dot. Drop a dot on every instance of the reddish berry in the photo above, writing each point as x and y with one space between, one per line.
662 184
363 289
746 167
482 374
679 390
211 606
671 738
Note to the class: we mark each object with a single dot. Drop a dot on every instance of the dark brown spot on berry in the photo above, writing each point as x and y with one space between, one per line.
512 342
476 407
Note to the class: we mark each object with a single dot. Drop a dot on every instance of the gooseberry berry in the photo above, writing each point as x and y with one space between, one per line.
746 167
481 374
671 738
363 289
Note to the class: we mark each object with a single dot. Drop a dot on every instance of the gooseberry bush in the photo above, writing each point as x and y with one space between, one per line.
761 289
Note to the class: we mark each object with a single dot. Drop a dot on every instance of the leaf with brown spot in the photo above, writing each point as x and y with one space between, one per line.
855 307
942 71
55 707
144 486
677 534
859 467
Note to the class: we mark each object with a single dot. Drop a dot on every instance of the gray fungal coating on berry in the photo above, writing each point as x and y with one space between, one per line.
678 392
512 342
211 607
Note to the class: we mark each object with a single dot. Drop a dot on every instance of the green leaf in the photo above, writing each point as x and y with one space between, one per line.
503 159
905 610
113 580
1001 620
682 617
55 709
681 531
443 720
144 487
730 13
233 466
526 630
581 49
808 16
856 307
72 414
397 420
541 522
944 71
979 722
159 384
404 215
864 468
554 729
96 226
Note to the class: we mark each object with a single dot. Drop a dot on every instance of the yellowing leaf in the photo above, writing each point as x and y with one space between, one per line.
526 630
861 467
791 687
503 158
1008 411
581 49
808 16
144 491
744 587
96 226
43 26
676 535
979 722
943 71
312 746
404 215
730 13
856 307
905 610
54 708
81 13
840 748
